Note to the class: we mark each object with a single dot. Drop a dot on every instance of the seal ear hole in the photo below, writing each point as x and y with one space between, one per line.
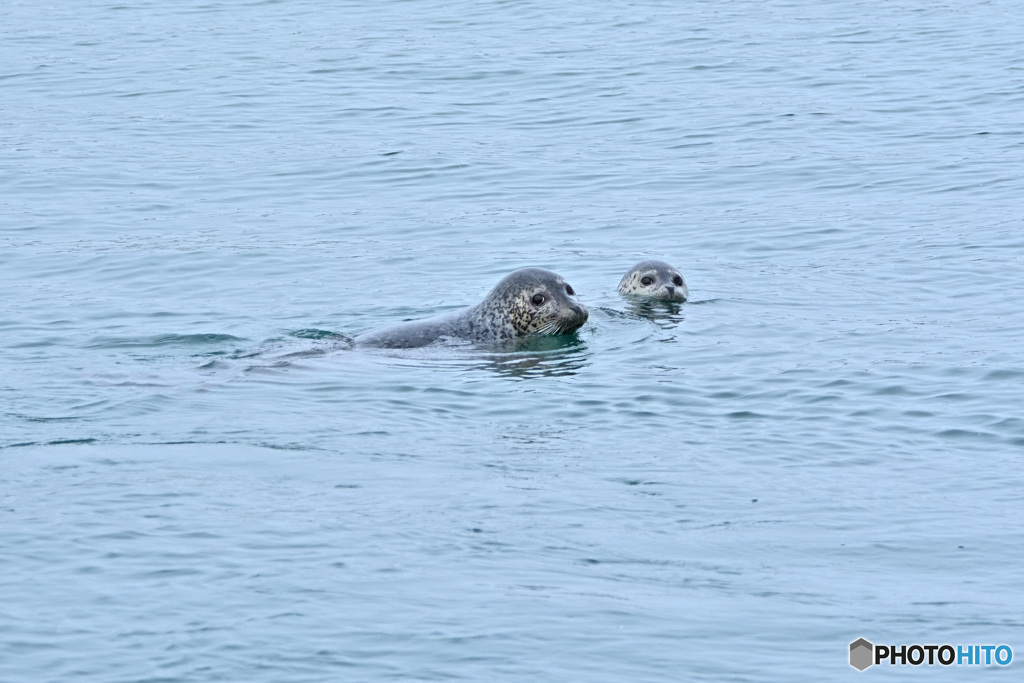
569 290
538 299
677 281
646 280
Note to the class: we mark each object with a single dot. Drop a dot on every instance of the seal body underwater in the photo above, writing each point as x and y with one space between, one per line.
654 280
528 302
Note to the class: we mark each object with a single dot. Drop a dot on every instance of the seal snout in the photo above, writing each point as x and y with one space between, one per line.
577 315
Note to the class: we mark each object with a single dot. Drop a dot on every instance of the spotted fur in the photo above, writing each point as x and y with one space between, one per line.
507 312
662 286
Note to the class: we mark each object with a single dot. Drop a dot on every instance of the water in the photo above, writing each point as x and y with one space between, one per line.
198 482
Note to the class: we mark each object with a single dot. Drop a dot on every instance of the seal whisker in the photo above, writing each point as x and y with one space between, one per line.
549 328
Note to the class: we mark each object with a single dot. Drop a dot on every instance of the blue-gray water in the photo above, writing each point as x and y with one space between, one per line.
198 483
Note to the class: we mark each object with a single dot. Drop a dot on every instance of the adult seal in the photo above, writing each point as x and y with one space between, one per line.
530 302
654 280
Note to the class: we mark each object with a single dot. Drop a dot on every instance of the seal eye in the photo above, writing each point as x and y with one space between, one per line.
677 281
538 299
569 290
646 280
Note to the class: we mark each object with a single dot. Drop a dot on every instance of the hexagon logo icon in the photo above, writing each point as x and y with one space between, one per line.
862 654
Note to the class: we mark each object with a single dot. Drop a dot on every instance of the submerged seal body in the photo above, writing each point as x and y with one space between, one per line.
528 302
654 280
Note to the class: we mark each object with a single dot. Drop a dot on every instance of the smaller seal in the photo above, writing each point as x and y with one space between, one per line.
530 302
654 280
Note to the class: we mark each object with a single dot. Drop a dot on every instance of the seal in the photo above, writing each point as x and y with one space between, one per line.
526 303
654 280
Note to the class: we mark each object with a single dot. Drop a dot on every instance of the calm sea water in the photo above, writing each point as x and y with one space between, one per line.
198 483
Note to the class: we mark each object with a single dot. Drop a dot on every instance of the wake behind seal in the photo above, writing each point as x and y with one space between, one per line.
654 280
526 303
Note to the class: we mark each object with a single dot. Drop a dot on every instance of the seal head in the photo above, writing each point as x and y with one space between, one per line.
654 280
526 303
